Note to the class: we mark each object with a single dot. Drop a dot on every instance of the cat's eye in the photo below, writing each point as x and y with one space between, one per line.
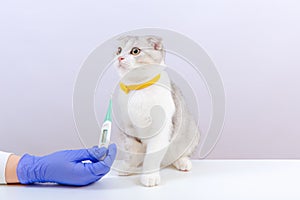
119 50
135 51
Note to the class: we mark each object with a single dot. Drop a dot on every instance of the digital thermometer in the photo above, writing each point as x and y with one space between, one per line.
106 128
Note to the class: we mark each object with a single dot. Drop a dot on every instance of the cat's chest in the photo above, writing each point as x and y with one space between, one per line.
137 106
140 100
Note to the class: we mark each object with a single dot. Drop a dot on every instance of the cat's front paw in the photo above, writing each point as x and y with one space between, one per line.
183 164
150 180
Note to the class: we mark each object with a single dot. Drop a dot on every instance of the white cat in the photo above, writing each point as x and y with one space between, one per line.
155 137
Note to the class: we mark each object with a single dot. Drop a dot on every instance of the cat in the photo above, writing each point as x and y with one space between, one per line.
177 137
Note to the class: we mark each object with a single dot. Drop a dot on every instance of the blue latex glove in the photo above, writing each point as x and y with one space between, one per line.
65 167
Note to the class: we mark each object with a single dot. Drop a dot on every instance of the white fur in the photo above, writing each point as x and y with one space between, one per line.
163 137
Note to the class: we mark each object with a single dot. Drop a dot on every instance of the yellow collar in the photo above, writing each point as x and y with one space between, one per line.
128 88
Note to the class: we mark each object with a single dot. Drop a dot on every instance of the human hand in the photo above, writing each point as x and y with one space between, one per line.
66 167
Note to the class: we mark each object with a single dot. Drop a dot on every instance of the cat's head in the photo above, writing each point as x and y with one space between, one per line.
136 51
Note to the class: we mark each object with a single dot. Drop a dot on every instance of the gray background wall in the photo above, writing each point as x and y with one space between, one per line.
254 44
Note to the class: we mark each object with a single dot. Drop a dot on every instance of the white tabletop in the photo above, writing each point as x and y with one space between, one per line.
209 179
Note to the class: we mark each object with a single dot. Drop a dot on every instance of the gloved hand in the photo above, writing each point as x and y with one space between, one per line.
65 167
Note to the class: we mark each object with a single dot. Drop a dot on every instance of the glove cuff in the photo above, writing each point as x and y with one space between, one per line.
26 171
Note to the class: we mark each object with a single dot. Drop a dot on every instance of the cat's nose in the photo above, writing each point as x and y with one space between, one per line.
120 58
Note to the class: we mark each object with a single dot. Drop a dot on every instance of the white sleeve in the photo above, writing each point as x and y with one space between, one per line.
3 160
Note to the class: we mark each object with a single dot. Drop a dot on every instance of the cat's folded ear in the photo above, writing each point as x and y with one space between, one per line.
155 41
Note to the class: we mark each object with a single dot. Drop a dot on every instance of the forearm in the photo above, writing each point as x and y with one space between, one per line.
11 169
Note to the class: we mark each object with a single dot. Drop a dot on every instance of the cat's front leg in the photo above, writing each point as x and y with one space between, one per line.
156 149
133 157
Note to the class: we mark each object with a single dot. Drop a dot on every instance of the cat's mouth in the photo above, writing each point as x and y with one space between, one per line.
121 66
